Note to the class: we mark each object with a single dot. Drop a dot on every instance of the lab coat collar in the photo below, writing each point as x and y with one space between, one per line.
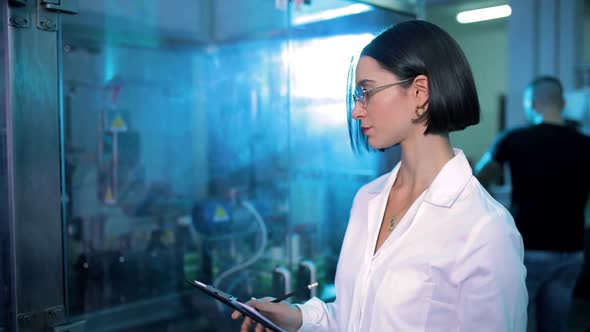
385 181
446 186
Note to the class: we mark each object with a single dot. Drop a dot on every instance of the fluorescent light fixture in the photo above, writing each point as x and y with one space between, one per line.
331 13
484 14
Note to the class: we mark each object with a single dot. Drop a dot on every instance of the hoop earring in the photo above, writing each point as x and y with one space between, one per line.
420 114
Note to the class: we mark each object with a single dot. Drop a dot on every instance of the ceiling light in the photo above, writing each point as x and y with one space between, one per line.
331 13
484 14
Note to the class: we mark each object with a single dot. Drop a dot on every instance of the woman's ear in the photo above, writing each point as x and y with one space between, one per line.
421 91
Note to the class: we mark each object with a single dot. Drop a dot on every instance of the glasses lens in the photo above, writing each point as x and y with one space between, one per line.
357 139
358 95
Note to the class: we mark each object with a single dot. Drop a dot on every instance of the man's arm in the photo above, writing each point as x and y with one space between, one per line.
487 170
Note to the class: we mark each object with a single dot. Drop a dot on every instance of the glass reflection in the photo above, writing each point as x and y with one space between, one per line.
221 156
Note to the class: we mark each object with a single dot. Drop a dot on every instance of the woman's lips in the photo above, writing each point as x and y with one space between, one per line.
366 129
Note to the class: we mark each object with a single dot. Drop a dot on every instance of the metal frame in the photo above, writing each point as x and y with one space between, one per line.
33 157
6 219
165 308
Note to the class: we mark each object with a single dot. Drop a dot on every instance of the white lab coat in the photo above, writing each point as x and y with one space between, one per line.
453 263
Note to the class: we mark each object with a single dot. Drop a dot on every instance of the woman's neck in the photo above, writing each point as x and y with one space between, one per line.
422 159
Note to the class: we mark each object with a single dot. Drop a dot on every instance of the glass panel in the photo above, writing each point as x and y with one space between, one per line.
325 173
205 144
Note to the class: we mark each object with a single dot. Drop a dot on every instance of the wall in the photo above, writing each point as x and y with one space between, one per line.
544 38
586 33
485 45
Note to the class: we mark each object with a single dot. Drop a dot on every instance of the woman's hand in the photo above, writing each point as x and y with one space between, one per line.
286 315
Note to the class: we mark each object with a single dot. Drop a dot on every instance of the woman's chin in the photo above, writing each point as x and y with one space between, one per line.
378 145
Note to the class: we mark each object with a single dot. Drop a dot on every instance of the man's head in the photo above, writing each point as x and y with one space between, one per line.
543 98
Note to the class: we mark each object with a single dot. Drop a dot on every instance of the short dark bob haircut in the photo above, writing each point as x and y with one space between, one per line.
413 48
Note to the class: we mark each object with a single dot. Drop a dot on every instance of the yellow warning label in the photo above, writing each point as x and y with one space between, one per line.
108 196
220 214
118 124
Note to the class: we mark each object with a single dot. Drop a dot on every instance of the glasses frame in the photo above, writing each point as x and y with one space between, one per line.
363 98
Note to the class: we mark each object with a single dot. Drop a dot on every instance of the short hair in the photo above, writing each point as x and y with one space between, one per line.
548 90
413 48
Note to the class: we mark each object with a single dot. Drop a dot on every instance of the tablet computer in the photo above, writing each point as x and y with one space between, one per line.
234 303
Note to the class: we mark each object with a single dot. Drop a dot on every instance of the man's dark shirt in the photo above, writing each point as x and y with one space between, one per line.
550 170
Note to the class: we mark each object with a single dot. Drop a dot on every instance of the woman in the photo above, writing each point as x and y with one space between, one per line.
426 248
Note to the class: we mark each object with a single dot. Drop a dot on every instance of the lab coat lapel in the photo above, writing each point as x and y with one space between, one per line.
376 209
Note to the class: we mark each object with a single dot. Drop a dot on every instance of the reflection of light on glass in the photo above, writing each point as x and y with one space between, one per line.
319 67
285 55
319 70
110 67
326 116
109 63
285 61
134 23
331 14
484 14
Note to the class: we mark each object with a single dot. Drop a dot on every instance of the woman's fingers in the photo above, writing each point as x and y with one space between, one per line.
246 324
236 314
263 304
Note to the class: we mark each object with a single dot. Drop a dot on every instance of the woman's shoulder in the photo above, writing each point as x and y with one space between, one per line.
487 211
475 210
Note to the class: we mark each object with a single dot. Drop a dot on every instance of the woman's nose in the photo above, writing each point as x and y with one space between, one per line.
358 111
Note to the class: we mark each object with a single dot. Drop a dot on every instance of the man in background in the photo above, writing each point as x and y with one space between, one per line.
549 164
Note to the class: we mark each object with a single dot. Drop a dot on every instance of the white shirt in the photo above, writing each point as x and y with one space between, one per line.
453 263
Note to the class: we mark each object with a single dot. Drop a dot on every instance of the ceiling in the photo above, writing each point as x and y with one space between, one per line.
192 22
457 6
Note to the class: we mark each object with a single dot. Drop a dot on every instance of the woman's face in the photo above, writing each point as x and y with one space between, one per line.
386 117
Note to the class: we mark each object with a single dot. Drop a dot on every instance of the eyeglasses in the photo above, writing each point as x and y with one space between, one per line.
362 95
